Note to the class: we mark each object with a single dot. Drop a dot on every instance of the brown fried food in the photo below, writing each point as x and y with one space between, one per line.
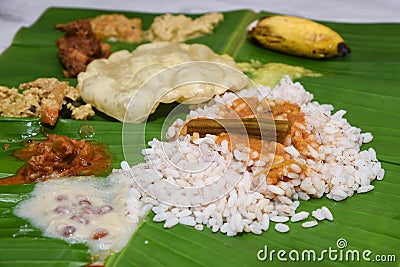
117 27
79 46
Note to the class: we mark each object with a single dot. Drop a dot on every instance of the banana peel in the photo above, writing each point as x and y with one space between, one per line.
297 36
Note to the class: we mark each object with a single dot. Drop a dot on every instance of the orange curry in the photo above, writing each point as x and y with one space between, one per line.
59 156
280 110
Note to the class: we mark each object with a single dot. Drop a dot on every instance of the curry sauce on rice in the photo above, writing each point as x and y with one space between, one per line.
252 107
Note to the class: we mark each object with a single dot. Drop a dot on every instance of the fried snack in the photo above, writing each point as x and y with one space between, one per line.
79 46
110 84
117 27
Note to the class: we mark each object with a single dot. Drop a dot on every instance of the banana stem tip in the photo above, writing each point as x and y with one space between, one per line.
343 49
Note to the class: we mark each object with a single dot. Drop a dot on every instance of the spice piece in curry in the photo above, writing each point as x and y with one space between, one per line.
59 156
279 161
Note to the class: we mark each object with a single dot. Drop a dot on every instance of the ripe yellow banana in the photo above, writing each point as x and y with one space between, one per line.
297 36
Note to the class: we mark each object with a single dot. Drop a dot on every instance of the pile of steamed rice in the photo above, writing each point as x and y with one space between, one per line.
339 169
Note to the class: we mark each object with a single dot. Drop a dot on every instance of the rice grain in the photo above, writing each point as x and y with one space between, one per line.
309 224
282 228
302 215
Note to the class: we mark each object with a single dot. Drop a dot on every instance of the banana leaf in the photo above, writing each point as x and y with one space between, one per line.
365 83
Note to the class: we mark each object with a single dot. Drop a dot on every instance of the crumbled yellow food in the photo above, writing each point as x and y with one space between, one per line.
82 112
34 98
179 28
14 104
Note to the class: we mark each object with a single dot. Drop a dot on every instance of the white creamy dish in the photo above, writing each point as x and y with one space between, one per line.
100 212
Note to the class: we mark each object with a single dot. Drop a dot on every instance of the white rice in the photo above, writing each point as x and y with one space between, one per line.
282 228
309 224
279 219
302 215
318 214
322 214
327 213
337 169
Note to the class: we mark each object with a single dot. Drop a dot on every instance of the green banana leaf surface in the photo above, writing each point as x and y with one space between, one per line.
366 83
